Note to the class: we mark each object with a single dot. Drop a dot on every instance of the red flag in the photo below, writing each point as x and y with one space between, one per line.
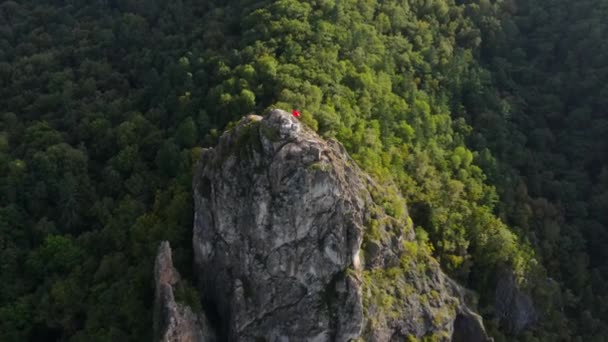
295 113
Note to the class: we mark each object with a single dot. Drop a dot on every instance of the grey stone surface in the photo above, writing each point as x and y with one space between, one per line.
513 306
175 322
284 250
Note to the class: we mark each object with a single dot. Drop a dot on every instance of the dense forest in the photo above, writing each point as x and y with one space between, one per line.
487 115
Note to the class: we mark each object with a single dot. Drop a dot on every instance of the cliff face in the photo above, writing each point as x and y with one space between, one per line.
514 308
293 242
173 321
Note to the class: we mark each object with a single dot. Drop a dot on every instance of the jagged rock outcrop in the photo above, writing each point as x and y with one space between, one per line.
468 327
514 308
175 322
293 242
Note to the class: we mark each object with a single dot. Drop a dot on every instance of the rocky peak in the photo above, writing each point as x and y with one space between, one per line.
173 321
293 242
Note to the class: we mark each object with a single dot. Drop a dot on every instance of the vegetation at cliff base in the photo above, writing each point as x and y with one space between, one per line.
488 116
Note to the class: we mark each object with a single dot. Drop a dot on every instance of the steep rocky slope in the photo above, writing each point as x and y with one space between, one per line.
293 242
173 321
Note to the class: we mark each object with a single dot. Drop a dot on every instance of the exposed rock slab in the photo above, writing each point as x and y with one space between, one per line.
292 242
175 322
514 307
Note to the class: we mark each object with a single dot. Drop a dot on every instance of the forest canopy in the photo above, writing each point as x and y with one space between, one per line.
488 117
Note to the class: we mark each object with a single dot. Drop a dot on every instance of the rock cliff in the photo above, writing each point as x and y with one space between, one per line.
514 308
173 321
293 242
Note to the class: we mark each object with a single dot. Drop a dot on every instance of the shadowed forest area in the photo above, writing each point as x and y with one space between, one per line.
489 116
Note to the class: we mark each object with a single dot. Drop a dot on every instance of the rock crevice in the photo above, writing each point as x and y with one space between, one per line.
173 321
